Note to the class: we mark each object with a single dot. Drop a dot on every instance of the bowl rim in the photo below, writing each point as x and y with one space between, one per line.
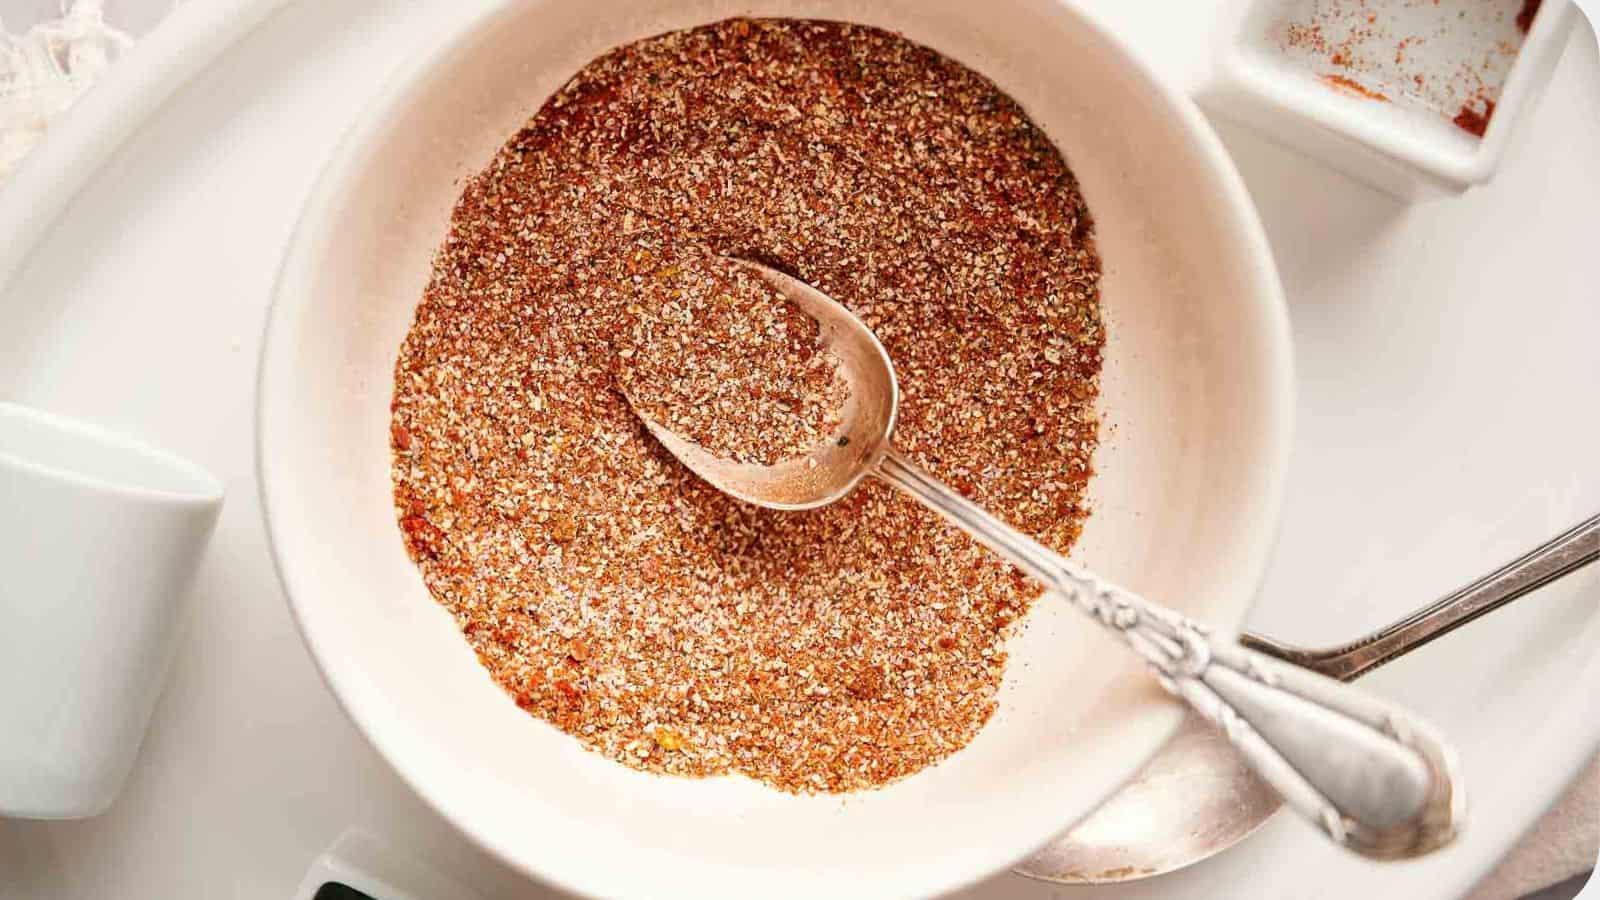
341 676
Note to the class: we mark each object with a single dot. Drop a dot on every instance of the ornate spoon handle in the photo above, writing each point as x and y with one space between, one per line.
1372 776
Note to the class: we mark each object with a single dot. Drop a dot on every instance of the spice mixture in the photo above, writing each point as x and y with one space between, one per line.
617 596
718 356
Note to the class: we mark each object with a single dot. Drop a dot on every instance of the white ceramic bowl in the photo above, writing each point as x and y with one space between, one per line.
1197 391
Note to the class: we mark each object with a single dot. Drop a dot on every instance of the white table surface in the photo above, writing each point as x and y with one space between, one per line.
1448 359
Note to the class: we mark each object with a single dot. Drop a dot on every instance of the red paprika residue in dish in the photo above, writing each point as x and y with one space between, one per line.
1472 121
1370 47
1530 8
1355 87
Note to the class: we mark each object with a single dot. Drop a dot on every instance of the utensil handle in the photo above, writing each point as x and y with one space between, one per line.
1566 552
1373 777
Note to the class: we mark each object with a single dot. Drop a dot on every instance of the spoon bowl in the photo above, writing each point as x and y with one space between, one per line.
833 468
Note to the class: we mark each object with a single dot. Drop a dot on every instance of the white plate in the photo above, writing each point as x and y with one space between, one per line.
1418 463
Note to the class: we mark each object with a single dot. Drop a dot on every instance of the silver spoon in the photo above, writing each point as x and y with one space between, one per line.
1370 775
1196 797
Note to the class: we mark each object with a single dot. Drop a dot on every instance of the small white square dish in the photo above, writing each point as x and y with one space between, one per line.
1416 97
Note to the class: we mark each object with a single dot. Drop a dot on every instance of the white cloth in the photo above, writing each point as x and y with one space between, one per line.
45 68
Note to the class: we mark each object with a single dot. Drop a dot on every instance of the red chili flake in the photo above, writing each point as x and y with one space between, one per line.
423 537
868 684
563 528
578 650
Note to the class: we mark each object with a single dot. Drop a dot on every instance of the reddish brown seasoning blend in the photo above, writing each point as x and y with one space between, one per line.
610 591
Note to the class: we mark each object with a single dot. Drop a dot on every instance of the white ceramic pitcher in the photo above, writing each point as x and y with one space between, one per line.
99 539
